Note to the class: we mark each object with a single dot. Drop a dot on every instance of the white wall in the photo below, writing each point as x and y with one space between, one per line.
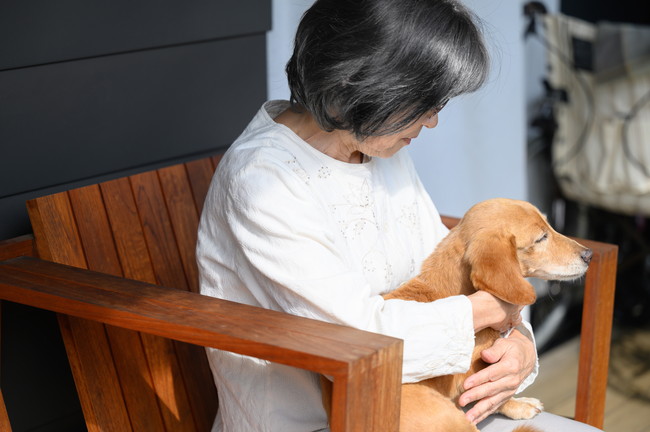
279 43
478 150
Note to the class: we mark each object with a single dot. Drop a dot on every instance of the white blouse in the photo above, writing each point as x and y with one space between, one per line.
288 228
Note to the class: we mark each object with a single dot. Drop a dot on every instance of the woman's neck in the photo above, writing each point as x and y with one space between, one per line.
337 144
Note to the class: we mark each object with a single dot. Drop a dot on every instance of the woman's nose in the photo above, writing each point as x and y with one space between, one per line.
430 121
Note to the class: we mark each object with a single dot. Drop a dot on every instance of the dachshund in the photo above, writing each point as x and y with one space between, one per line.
496 245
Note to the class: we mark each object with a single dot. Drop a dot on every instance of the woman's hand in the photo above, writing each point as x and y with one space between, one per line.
511 360
489 311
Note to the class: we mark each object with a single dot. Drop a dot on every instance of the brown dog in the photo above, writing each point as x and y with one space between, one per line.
494 247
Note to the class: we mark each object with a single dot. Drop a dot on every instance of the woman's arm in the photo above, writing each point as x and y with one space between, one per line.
489 311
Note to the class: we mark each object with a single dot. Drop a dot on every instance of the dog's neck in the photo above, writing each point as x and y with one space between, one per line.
443 274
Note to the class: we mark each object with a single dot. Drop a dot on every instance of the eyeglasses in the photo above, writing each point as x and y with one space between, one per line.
439 107
429 115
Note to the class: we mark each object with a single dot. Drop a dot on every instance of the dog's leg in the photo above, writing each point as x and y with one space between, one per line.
521 408
424 409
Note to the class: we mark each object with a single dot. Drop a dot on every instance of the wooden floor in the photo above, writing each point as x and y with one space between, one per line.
628 395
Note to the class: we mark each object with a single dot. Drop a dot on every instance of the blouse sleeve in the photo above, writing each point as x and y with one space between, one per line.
527 330
289 260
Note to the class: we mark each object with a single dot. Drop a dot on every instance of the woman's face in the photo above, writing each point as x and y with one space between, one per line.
387 145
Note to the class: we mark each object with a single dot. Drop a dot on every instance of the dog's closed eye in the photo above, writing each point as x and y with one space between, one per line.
542 238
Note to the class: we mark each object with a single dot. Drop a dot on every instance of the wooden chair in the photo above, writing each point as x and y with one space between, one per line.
135 347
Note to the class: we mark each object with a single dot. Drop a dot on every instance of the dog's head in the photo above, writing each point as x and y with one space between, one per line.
509 240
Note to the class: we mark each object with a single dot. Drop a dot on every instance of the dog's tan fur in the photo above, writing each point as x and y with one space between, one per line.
494 247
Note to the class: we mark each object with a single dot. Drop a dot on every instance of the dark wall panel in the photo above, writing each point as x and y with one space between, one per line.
74 120
43 31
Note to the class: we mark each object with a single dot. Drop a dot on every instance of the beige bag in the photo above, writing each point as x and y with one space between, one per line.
601 150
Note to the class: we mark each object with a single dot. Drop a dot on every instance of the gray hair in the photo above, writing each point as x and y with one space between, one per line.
373 67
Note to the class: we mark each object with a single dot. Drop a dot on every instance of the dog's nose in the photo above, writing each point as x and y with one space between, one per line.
586 255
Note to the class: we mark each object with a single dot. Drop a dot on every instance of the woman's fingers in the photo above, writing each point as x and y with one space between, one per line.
488 395
489 382
495 384
485 407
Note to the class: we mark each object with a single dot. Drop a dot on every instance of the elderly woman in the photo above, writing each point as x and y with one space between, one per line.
316 210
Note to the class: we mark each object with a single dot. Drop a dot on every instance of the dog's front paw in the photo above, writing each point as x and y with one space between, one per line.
521 408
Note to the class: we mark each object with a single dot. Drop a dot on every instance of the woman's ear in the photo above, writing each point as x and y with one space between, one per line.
494 268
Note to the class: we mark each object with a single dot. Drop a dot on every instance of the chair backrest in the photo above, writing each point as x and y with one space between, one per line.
140 227
4 417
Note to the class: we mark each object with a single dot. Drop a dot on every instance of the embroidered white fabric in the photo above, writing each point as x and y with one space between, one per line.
288 228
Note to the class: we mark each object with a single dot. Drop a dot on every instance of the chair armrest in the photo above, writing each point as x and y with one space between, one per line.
18 246
366 367
596 332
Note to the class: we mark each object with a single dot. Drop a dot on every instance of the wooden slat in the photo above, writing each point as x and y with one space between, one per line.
595 335
216 159
136 379
18 246
128 353
166 264
199 381
53 223
53 219
4 417
184 219
130 229
92 223
157 230
360 362
95 364
127 231
200 174
167 379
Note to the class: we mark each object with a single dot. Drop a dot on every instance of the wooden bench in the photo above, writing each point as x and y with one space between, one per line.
116 262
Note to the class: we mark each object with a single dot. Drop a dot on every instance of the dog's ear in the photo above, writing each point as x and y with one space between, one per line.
494 268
